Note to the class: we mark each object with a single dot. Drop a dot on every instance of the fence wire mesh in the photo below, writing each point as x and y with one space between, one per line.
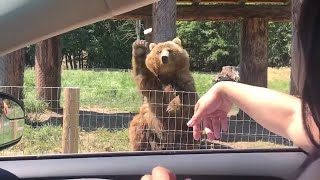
104 117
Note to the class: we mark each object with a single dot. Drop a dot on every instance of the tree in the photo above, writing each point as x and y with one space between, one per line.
296 5
164 16
279 44
105 44
12 71
48 71
211 45
254 52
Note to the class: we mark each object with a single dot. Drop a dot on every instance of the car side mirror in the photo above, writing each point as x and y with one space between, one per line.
12 120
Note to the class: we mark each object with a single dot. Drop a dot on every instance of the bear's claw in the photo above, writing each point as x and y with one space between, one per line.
139 47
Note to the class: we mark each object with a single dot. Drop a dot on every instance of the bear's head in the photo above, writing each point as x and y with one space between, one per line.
167 58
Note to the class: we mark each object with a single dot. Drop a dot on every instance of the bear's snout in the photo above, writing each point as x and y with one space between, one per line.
165 57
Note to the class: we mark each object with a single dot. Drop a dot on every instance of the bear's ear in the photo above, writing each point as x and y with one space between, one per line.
177 41
151 46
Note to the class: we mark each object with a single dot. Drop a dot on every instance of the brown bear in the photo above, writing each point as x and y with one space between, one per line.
162 75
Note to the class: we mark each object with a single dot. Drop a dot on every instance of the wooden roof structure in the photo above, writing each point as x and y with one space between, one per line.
222 10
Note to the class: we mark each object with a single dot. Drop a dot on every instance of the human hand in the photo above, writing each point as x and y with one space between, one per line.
159 173
211 109
5 108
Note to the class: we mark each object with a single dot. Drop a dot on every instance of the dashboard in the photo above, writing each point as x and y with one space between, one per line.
212 164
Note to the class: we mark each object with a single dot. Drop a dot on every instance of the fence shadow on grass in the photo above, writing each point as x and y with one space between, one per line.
88 120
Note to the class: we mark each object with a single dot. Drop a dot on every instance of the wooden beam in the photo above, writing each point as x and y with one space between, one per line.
242 2
229 12
296 5
235 1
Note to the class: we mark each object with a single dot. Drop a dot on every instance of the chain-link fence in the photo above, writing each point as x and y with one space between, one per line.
82 120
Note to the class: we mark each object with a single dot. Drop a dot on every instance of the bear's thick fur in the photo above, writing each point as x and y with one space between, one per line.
162 75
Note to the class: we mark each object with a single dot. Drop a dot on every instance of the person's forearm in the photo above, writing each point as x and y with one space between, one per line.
275 111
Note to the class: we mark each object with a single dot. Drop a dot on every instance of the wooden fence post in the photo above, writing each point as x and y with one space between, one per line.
13 125
70 134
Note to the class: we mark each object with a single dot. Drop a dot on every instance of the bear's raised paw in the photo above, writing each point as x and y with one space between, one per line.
139 48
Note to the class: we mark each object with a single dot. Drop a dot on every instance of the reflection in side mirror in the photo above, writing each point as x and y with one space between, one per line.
11 109
12 120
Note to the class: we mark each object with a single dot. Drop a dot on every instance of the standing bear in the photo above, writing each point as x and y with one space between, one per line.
162 75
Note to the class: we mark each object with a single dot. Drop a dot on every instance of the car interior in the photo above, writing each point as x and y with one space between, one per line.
45 19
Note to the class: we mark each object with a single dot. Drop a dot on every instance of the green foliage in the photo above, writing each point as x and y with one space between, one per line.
279 44
32 104
48 140
107 43
211 45
35 140
30 56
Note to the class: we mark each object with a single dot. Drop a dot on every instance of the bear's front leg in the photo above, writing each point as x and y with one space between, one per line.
144 79
139 54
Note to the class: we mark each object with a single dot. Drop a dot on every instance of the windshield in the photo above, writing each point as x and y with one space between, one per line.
78 81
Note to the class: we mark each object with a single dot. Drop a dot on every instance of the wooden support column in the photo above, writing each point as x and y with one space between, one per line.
164 15
296 5
253 71
254 52
70 133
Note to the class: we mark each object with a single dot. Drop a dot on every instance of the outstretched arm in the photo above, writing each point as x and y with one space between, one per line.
275 111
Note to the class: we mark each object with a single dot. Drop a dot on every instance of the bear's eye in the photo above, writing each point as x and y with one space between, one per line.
158 52
171 51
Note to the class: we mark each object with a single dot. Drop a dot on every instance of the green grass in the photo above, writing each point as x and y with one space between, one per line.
279 79
112 89
104 90
116 90
48 140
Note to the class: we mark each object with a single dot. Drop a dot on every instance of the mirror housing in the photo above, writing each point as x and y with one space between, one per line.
12 120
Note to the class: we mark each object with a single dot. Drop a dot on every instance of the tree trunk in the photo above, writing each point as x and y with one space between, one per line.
254 52
253 71
296 5
74 62
82 62
12 72
164 15
48 71
66 59
70 61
